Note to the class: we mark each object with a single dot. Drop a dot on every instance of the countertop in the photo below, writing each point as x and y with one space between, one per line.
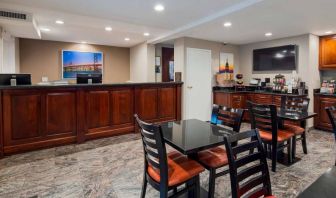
89 85
258 91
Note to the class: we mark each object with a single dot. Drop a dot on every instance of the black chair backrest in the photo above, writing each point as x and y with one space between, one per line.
331 111
154 148
295 104
264 117
248 171
227 116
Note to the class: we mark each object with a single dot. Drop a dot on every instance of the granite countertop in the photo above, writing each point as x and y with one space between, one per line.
325 94
260 92
89 85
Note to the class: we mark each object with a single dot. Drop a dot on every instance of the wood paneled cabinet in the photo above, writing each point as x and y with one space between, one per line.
39 118
327 57
321 121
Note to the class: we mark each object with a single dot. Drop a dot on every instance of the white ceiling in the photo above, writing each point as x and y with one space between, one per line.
85 20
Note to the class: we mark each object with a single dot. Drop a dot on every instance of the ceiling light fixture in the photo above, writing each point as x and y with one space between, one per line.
59 22
45 29
227 24
329 32
108 28
83 42
127 39
146 34
268 34
159 8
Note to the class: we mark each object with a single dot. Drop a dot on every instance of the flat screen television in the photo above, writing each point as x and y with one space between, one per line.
89 78
275 59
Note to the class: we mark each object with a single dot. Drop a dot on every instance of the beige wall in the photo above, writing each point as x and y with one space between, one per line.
142 63
43 58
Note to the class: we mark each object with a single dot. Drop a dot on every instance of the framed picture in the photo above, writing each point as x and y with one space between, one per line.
77 62
157 61
226 63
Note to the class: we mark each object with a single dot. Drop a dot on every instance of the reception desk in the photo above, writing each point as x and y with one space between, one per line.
35 117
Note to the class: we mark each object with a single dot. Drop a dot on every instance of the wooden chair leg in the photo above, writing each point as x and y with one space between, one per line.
197 187
294 147
144 186
212 183
274 157
304 143
289 150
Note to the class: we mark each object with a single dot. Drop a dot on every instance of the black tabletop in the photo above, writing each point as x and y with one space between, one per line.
324 186
191 136
295 116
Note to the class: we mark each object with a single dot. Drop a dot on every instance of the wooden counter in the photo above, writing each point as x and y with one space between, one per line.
35 117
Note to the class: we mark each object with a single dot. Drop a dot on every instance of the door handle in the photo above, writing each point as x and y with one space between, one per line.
189 87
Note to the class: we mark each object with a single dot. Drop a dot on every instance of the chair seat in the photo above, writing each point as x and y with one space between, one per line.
297 130
213 158
180 169
282 135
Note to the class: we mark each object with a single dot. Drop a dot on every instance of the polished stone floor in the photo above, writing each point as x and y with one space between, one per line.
113 167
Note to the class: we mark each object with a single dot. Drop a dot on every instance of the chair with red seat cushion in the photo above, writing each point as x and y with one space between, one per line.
264 118
166 172
296 105
249 173
331 111
215 158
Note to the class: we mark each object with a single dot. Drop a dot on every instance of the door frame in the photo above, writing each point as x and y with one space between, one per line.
185 112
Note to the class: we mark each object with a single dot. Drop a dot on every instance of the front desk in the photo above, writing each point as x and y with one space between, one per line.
35 117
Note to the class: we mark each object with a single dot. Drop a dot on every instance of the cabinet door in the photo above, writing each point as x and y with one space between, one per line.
98 109
122 106
61 113
328 52
22 117
323 117
146 100
167 102
222 98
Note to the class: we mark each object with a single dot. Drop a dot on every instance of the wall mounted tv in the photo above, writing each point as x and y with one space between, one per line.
276 58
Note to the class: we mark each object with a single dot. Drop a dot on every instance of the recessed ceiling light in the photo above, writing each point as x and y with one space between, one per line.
227 24
159 8
329 32
127 39
146 34
45 29
268 34
108 28
59 22
83 42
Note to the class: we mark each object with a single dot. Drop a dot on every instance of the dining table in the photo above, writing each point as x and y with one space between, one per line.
324 186
192 136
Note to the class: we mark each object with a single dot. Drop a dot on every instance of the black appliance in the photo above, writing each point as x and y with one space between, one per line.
15 79
280 58
89 78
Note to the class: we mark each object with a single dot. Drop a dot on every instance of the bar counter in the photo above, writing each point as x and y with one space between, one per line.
41 116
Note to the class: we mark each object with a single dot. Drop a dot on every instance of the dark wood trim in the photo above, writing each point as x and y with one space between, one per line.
39 118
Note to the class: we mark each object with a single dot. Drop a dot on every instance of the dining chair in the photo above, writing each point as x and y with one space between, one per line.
331 111
165 172
249 173
265 119
296 105
215 158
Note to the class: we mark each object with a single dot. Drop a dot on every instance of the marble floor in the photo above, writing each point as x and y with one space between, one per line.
113 167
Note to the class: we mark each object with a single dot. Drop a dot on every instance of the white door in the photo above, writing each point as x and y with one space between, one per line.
198 84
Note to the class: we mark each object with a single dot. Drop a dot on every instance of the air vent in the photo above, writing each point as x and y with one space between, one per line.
14 15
